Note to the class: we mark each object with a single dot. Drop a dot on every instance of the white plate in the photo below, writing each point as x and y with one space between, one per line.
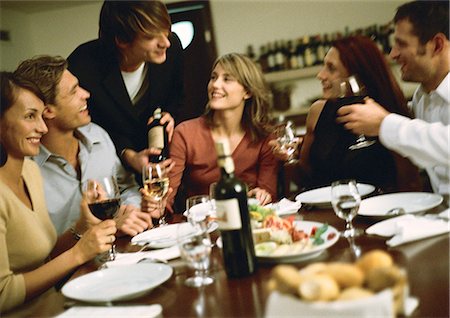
322 196
118 283
411 202
306 226
165 236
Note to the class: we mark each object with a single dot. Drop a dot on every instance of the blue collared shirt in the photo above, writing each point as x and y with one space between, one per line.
97 158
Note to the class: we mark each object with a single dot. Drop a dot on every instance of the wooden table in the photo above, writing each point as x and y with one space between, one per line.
426 261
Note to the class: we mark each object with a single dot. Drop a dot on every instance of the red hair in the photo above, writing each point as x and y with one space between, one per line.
361 57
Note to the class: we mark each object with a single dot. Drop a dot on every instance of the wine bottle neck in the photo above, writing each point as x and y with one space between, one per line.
227 166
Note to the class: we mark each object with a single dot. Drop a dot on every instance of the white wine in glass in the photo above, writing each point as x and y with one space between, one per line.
345 200
156 183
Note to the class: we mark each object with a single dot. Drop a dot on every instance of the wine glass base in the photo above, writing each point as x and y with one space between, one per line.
198 281
362 144
291 162
351 233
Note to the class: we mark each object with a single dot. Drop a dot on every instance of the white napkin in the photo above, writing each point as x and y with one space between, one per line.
408 228
144 311
286 206
380 305
132 258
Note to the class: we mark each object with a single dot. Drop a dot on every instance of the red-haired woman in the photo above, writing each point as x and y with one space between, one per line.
324 155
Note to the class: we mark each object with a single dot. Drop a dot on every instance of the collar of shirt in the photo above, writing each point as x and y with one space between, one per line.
441 92
86 136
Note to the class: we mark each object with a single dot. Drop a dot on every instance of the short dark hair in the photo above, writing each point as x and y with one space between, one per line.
427 17
123 20
9 85
46 72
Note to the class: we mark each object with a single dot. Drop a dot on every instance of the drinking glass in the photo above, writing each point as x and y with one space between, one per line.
103 198
288 141
199 209
350 90
195 249
345 199
156 183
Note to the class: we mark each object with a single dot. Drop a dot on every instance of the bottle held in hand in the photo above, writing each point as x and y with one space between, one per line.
233 217
157 137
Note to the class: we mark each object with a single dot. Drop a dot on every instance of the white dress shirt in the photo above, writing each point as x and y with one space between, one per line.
424 140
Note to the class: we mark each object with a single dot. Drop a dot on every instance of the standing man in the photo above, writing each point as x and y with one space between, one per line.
422 48
133 67
75 150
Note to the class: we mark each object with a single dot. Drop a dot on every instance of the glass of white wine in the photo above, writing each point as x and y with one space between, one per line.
288 141
345 199
156 184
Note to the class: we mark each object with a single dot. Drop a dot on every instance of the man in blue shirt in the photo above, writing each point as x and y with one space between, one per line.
75 150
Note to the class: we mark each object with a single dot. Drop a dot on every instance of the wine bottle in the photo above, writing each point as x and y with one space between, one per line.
233 217
157 137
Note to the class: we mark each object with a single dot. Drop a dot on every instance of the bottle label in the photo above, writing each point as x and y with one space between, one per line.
228 214
156 137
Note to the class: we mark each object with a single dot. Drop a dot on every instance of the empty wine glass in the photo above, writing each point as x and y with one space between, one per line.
103 198
199 209
195 249
345 199
156 184
288 141
350 90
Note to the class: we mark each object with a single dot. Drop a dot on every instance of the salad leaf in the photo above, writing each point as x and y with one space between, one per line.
317 240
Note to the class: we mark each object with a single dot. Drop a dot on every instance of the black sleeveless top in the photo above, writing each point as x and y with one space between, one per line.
331 160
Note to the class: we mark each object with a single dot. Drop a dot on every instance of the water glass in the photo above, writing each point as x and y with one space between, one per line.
345 199
195 249
199 209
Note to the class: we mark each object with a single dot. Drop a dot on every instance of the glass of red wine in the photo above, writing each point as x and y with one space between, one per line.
351 90
103 197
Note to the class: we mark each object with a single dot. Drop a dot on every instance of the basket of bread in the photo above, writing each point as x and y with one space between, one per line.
371 286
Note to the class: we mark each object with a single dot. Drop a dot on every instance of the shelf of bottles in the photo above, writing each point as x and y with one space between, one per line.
286 60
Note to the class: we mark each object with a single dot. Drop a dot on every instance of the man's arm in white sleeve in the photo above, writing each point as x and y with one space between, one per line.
426 144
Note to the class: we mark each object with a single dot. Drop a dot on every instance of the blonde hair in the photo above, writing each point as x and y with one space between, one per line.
255 118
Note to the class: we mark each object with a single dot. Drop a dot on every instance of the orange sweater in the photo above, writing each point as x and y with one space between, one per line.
192 149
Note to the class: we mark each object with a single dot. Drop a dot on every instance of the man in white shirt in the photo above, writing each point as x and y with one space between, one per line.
422 48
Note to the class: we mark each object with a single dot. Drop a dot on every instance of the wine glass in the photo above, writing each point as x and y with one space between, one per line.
350 90
103 198
288 141
199 209
195 249
345 199
156 184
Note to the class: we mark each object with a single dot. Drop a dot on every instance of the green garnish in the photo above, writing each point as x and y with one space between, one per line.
317 240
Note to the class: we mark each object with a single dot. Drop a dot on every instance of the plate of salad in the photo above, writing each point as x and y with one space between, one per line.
285 240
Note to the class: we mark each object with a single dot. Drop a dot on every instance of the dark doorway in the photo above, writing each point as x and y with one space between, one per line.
199 55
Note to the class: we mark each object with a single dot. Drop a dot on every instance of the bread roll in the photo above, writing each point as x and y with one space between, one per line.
345 274
353 293
384 277
320 287
287 278
374 259
314 268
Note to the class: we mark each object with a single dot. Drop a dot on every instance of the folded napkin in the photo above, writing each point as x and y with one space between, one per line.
408 228
380 305
144 311
286 206
132 258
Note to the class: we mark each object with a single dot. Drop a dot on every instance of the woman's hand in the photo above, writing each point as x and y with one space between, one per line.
131 221
261 195
278 152
151 205
94 241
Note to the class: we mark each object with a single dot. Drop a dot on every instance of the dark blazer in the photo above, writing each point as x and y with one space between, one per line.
97 68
